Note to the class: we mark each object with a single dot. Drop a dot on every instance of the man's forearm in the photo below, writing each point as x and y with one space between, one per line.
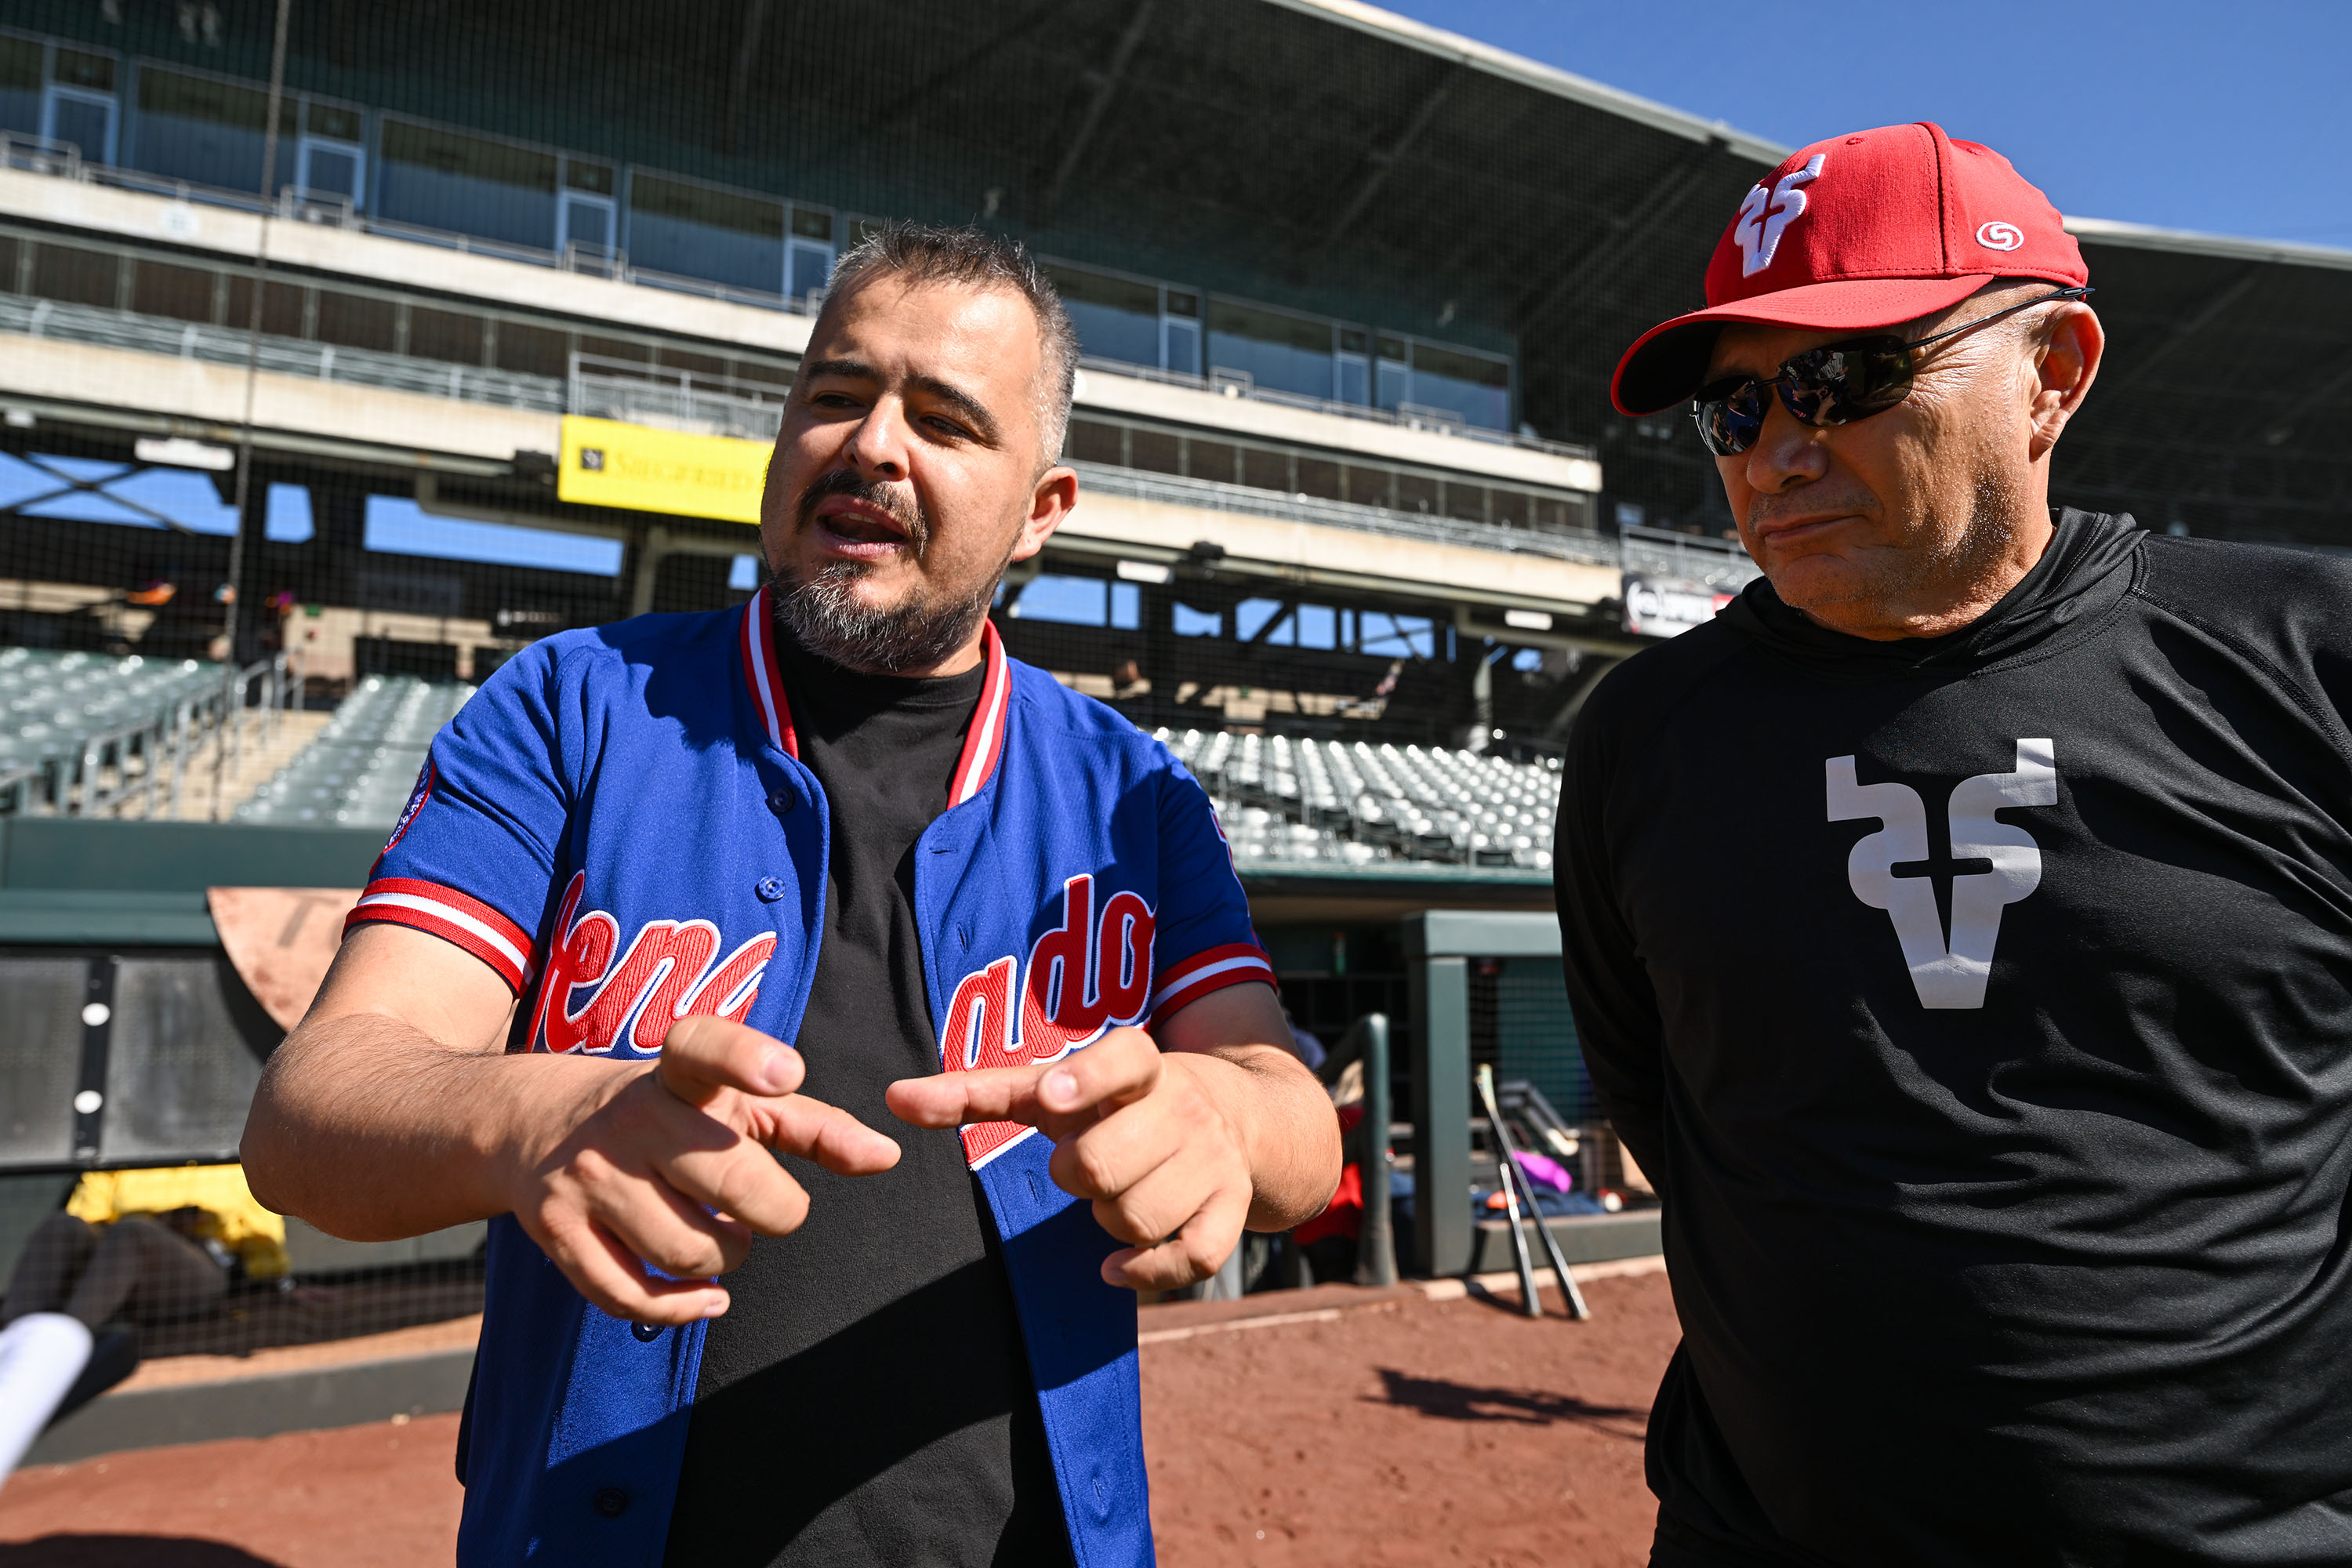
1289 1129
371 1132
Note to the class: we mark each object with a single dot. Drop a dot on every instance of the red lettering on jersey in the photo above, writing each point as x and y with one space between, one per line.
1123 959
734 985
979 1030
1084 975
662 962
1059 1009
665 975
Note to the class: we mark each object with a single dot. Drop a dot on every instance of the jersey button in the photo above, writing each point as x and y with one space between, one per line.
781 803
770 889
610 1501
646 1332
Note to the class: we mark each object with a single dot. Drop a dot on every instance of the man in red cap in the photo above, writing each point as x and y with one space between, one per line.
1960 931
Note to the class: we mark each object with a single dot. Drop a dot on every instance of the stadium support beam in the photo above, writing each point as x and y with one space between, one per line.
1557 728
755 22
2276 429
1381 161
1106 88
1633 232
2205 316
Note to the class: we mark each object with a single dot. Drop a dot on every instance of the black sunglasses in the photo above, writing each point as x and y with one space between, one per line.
1836 384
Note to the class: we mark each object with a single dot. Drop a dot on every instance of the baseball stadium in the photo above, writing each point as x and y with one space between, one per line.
348 352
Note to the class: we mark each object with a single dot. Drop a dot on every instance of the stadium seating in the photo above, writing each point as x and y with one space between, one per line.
360 771
52 704
1285 799
1279 799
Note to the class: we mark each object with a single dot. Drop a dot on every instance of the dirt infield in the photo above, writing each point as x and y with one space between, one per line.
1362 1429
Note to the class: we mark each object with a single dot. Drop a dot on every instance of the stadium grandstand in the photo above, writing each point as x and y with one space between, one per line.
337 364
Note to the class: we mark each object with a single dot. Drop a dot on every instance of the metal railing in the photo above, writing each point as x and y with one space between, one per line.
101 772
1718 563
1240 383
1213 495
56 320
617 389
645 394
1367 1041
42 155
34 155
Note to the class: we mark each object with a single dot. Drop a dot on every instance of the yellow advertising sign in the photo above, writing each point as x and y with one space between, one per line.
608 463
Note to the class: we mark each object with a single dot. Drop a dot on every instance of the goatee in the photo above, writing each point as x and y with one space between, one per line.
823 614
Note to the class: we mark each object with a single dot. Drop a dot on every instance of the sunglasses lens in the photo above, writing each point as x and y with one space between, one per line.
1729 422
1846 382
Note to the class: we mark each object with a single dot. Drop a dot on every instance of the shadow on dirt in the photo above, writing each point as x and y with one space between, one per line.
126 1552
1528 1407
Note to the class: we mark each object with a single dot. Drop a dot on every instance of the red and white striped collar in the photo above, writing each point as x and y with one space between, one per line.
983 743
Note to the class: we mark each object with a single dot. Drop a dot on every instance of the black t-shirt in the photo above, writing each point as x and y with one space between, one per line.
866 1399
1982 1008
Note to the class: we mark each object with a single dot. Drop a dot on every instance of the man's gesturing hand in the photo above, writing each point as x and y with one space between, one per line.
627 1173
1155 1139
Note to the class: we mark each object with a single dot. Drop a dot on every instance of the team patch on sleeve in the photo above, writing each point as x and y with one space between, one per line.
1234 963
426 777
453 917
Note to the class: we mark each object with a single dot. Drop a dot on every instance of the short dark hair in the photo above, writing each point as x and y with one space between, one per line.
928 253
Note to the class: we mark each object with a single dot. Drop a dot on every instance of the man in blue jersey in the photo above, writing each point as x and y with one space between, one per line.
830 876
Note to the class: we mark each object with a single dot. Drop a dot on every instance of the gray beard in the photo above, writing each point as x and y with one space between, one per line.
823 615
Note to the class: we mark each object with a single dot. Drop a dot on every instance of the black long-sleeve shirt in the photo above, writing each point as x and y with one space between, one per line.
1982 1008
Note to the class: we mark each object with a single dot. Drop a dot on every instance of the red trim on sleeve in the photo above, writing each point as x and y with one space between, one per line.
1213 969
452 916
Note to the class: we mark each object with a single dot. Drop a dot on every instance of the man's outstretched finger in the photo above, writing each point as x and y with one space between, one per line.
1121 1066
702 1056
825 1133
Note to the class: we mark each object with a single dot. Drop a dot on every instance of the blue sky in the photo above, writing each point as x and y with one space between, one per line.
2223 117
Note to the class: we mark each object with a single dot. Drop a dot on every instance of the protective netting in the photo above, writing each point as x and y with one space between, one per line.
346 349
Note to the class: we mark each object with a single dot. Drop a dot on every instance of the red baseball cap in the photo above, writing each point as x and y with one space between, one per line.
1854 233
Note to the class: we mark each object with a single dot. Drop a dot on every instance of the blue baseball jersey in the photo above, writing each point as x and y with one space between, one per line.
619 824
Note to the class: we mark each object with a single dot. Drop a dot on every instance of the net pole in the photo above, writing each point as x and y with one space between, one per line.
230 617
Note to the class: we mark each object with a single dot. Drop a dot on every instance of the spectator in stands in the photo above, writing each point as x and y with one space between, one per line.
1960 930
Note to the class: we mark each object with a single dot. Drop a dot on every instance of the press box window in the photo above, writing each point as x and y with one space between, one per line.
694 230
208 132
467 184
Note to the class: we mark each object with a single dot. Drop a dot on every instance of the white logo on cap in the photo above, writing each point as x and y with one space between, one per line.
1764 214
1999 236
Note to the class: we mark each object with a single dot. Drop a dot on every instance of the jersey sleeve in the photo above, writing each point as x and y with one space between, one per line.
1203 939
475 852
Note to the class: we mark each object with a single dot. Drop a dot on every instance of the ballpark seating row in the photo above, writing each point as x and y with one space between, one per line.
51 702
1285 799
84 732
360 771
1280 799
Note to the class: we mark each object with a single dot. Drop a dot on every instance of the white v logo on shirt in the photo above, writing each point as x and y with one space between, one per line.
1946 975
